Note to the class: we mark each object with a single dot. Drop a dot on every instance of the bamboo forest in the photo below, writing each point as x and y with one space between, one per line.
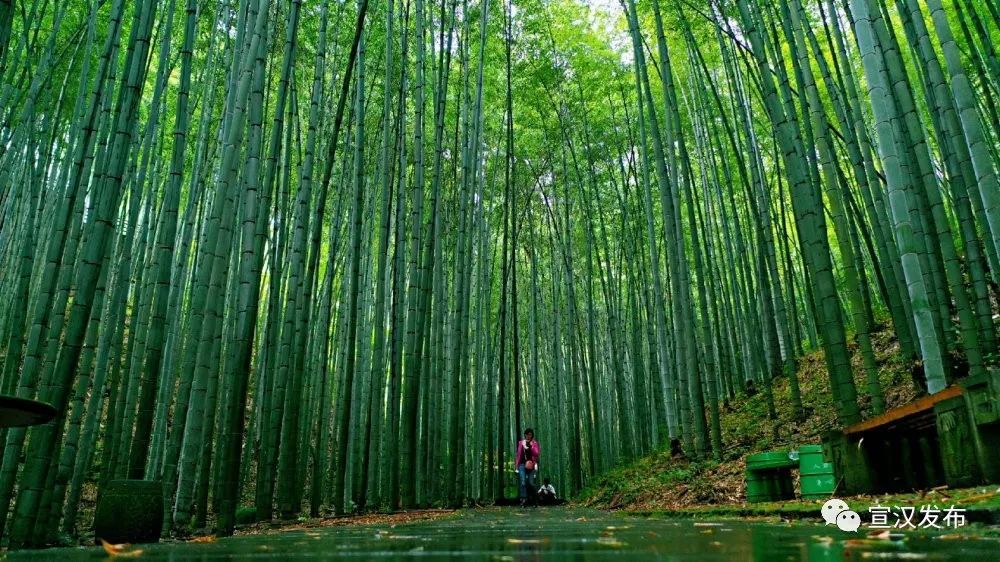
284 268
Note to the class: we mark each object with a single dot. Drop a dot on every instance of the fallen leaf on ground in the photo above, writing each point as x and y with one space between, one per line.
957 536
879 534
205 538
610 541
823 540
526 541
401 537
123 550
886 535
978 497
863 542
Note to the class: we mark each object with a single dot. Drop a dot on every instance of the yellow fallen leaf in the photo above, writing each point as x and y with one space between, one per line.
123 550
610 541
204 538
524 541
957 536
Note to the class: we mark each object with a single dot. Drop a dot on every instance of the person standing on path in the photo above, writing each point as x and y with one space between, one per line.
526 464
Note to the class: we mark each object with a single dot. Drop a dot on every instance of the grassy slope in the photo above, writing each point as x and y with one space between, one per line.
658 482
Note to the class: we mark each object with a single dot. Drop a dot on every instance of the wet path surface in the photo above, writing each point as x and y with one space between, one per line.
558 534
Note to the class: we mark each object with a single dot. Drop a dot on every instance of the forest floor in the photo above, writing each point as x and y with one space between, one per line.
659 483
389 520
382 519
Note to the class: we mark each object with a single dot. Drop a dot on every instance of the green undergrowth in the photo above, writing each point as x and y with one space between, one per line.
660 482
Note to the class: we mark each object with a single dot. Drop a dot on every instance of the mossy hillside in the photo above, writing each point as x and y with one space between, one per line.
660 481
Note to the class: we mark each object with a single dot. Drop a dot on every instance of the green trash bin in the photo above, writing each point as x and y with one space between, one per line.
760 486
772 459
785 483
769 476
770 484
815 474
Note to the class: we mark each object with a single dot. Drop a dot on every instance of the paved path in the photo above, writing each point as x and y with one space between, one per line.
512 534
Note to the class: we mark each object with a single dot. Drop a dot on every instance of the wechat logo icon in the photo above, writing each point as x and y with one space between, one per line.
836 512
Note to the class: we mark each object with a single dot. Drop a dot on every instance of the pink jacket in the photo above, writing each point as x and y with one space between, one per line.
522 458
